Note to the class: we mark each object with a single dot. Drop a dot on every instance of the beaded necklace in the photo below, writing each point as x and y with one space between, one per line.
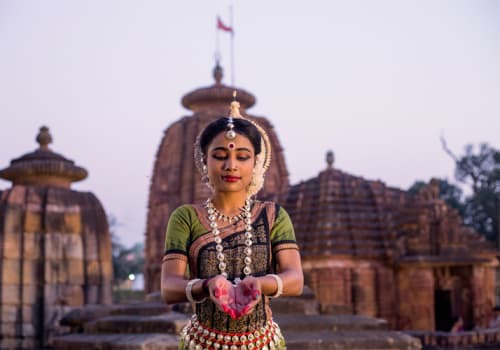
246 216
224 217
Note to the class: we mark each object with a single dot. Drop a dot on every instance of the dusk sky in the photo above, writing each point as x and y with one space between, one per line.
377 82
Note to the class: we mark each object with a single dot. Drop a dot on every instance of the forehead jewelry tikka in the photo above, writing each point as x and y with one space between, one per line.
230 134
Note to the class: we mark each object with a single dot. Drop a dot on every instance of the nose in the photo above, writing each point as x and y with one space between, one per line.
230 164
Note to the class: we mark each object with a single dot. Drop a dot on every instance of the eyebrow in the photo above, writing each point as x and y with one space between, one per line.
220 148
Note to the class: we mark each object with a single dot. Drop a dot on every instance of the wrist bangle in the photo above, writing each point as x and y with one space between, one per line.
189 289
279 288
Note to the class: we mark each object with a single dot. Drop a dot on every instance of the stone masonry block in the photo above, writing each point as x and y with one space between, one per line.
31 295
11 244
73 246
33 222
68 271
13 220
54 221
11 271
31 274
58 294
94 271
32 245
72 222
9 313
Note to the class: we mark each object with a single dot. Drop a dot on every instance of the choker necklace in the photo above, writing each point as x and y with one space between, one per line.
224 217
246 216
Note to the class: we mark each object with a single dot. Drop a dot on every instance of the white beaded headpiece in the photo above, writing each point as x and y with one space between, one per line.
263 159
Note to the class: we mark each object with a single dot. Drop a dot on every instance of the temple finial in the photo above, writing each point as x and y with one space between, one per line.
44 138
330 159
218 73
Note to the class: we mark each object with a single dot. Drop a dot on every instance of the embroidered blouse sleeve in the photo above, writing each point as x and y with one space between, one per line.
178 233
282 232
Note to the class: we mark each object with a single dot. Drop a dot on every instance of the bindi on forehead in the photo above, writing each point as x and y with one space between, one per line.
240 142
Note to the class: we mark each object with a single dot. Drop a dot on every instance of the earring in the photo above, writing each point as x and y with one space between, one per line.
253 181
204 176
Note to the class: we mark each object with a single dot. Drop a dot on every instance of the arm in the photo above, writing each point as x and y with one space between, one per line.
290 271
289 266
173 282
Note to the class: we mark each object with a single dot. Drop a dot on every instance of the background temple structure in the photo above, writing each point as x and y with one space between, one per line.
55 247
373 250
367 249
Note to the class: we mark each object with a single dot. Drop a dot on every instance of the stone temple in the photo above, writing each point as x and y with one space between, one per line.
367 248
374 250
55 247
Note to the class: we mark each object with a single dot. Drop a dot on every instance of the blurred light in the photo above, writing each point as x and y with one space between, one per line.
131 277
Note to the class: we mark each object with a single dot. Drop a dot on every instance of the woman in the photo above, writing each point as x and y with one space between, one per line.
239 252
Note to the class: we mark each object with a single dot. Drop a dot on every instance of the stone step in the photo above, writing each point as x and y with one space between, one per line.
294 305
312 323
351 340
78 317
305 304
141 308
171 322
149 341
340 340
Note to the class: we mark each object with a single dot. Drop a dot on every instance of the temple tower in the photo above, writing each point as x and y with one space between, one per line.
55 247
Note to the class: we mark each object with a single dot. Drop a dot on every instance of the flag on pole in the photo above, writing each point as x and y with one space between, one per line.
222 26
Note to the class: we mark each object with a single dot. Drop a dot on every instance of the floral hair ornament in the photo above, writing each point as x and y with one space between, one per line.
263 159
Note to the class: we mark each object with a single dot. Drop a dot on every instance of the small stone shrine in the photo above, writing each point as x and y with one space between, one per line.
378 251
55 247
175 180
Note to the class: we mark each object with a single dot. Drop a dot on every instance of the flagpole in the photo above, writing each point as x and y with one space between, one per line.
232 44
217 46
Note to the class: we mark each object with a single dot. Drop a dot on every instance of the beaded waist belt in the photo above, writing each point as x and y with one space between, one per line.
196 336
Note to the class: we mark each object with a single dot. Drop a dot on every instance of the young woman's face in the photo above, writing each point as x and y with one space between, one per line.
230 163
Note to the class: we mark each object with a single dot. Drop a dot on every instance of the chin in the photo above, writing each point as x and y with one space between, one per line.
231 188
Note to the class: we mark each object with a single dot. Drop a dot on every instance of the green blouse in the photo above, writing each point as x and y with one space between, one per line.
185 227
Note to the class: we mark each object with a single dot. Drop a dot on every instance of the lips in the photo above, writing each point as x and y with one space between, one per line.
229 178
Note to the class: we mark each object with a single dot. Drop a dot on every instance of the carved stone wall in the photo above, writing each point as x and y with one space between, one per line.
55 255
415 299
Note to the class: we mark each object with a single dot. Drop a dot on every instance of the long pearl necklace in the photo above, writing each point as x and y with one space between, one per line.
212 217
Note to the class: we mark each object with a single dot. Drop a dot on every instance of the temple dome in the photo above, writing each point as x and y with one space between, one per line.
336 213
43 166
339 214
216 96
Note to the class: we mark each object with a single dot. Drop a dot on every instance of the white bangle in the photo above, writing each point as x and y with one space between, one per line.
189 288
279 289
